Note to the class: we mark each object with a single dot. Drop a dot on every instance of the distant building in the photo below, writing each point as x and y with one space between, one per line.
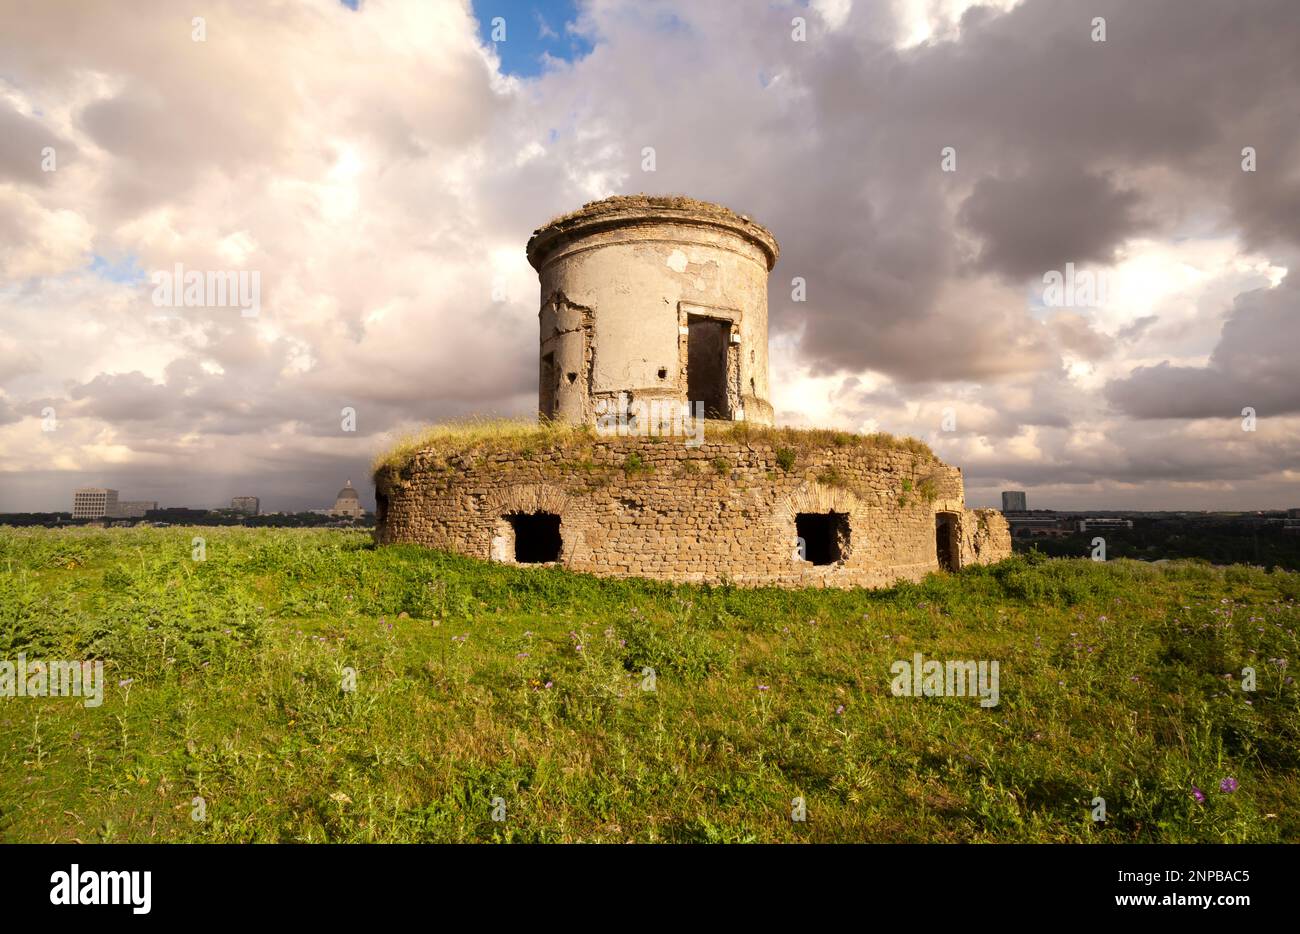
177 515
1293 513
1046 526
1014 501
248 505
93 502
1110 523
132 509
347 504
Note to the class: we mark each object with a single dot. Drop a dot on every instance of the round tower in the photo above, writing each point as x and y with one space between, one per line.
649 303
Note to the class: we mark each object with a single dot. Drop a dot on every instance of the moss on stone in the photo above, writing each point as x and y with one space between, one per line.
469 442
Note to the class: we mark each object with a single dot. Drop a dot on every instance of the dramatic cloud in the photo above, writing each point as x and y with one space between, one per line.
381 174
1254 365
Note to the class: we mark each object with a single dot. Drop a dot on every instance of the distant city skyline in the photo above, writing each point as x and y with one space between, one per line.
307 502
303 502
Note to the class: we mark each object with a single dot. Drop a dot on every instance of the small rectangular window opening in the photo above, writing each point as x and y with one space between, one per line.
537 537
825 536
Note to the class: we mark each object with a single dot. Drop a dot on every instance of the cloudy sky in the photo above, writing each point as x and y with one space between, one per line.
923 163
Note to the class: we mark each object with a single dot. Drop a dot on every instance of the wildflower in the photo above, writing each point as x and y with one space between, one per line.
549 683
840 710
1228 786
522 655
764 687
126 682
1198 795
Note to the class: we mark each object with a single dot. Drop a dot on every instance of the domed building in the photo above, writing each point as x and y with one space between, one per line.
347 505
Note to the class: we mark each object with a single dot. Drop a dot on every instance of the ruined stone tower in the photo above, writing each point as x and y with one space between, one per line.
653 299
650 304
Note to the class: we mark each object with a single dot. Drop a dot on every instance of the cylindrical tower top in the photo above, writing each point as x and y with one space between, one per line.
653 303
630 210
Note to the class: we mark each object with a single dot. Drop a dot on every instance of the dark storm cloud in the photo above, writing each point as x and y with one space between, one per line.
1033 223
1065 149
23 140
1254 364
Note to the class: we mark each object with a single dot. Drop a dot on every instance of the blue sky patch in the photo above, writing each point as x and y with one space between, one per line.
534 29
124 270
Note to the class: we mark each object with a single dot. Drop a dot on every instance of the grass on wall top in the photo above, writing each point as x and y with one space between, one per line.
495 435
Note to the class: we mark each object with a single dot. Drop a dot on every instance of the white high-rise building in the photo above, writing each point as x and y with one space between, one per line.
93 502
248 505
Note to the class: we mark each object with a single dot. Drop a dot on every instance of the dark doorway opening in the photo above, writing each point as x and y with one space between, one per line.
537 536
825 536
945 540
708 343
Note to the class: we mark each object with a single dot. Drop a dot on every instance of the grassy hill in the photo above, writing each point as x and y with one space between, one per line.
476 682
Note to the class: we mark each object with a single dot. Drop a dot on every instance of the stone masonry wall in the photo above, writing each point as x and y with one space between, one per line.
717 512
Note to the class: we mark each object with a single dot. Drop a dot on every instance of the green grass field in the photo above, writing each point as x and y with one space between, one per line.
477 682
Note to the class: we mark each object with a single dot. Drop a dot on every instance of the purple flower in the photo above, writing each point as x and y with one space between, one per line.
1228 786
764 687
840 710
1198 795
549 683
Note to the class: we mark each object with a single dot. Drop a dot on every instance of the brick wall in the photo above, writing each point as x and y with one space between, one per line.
720 511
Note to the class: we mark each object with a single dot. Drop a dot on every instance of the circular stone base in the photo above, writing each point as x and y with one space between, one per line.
783 508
